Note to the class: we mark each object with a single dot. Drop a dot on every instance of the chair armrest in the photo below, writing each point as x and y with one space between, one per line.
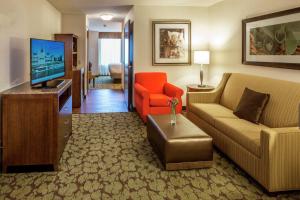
172 91
141 91
280 150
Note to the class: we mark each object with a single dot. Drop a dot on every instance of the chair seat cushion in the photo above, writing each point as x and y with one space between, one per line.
209 112
160 100
243 132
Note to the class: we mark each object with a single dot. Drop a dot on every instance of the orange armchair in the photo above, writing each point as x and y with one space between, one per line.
152 93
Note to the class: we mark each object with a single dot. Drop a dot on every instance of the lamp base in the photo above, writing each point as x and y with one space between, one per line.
201 77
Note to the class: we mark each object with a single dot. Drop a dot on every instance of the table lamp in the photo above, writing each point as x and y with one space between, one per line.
202 58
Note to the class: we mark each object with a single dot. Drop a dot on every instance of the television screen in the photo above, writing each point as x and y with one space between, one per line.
47 60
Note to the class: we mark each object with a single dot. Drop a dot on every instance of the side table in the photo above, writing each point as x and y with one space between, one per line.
197 88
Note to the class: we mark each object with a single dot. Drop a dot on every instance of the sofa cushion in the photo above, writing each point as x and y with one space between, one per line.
209 112
282 108
159 100
245 133
251 105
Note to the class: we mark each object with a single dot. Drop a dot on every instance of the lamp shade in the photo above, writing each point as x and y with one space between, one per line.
201 57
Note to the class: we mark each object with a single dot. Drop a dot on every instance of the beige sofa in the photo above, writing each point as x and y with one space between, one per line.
270 151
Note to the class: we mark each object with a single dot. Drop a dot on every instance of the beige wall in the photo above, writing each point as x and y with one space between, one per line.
130 15
19 21
178 75
225 20
93 51
77 24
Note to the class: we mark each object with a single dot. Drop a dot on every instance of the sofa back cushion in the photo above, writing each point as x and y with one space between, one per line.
282 108
153 81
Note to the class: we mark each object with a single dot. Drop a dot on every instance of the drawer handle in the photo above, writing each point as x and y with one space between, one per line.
66 136
67 122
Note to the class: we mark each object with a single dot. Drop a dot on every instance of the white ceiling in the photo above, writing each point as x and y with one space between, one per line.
118 12
96 24
118 8
96 6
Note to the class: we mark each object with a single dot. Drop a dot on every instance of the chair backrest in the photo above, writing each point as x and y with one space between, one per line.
282 108
153 81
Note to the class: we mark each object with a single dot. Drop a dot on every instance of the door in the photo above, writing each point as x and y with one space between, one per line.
128 65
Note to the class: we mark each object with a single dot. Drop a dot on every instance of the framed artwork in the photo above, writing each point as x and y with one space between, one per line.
273 40
171 42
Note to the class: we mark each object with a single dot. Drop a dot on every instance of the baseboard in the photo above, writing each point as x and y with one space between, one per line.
183 109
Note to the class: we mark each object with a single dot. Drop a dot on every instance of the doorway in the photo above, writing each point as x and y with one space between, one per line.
105 68
108 74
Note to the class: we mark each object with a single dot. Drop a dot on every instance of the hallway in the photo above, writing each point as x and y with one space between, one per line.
102 101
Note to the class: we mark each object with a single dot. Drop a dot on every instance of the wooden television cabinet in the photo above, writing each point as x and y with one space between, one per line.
36 125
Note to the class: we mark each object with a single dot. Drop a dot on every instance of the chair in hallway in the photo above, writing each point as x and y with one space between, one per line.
92 74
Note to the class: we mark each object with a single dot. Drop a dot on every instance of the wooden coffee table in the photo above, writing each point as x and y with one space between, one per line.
182 146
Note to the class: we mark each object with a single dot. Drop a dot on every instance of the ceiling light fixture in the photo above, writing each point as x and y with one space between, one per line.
106 17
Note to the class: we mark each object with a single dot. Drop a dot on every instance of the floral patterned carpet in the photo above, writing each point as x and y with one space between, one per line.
109 157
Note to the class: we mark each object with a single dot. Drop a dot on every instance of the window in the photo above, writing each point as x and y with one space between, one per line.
109 53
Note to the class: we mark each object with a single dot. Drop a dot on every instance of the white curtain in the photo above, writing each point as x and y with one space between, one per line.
109 52
94 52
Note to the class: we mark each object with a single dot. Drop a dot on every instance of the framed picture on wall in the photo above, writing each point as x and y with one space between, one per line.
171 42
273 40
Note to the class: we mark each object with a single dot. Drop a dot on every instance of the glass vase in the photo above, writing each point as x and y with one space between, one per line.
173 116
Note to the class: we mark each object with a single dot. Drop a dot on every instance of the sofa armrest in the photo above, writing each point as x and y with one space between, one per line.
280 152
208 97
172 91
202 97
141 91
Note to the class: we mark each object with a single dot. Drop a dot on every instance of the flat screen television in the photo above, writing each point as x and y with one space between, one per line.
47 61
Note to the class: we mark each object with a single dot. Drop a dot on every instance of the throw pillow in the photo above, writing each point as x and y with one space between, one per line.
251 105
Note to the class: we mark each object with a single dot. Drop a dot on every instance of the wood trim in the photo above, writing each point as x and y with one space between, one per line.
110 35
189 46
295 66
77 87
71 51
66 34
